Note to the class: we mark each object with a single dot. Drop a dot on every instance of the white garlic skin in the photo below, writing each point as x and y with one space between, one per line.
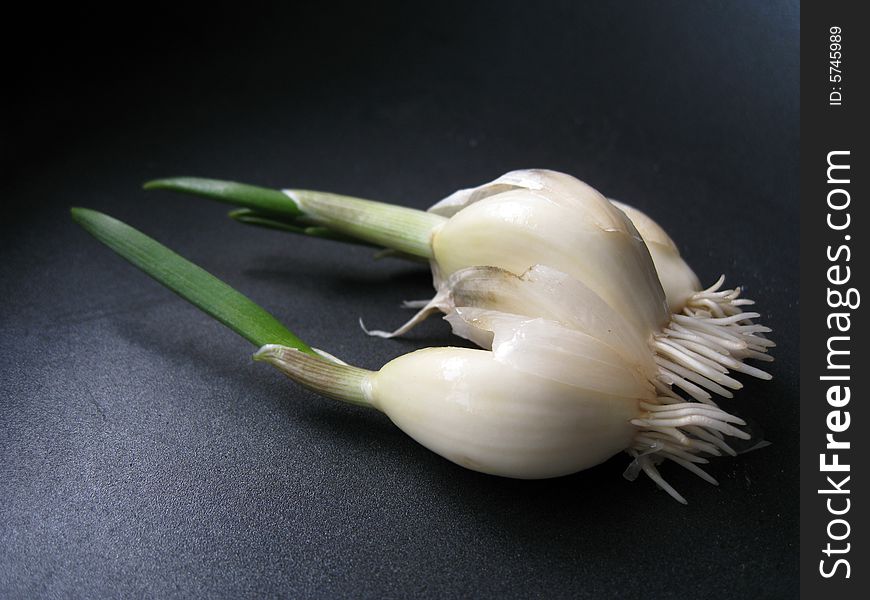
678 279
484 415
569 227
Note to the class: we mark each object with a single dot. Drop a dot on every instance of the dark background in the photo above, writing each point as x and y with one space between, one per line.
141 451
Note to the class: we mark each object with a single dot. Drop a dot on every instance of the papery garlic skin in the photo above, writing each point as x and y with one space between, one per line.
686 297
478 298
677 278
567 226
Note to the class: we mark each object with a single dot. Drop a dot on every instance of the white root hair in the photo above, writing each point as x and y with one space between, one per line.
695 353
712 337
680 432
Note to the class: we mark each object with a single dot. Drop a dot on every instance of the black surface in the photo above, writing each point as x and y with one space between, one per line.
142 453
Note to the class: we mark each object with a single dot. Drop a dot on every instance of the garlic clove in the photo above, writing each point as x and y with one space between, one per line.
590 240
486 415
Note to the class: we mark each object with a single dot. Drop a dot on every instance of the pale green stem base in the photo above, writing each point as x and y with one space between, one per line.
345 218
328 378
404 229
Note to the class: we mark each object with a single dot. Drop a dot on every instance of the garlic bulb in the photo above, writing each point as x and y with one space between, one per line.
561 246
528 409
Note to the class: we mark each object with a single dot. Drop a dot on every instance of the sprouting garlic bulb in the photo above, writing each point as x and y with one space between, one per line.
557 393
546 401
560 285
561 246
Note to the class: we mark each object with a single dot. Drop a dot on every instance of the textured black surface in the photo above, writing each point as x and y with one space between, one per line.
143 454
